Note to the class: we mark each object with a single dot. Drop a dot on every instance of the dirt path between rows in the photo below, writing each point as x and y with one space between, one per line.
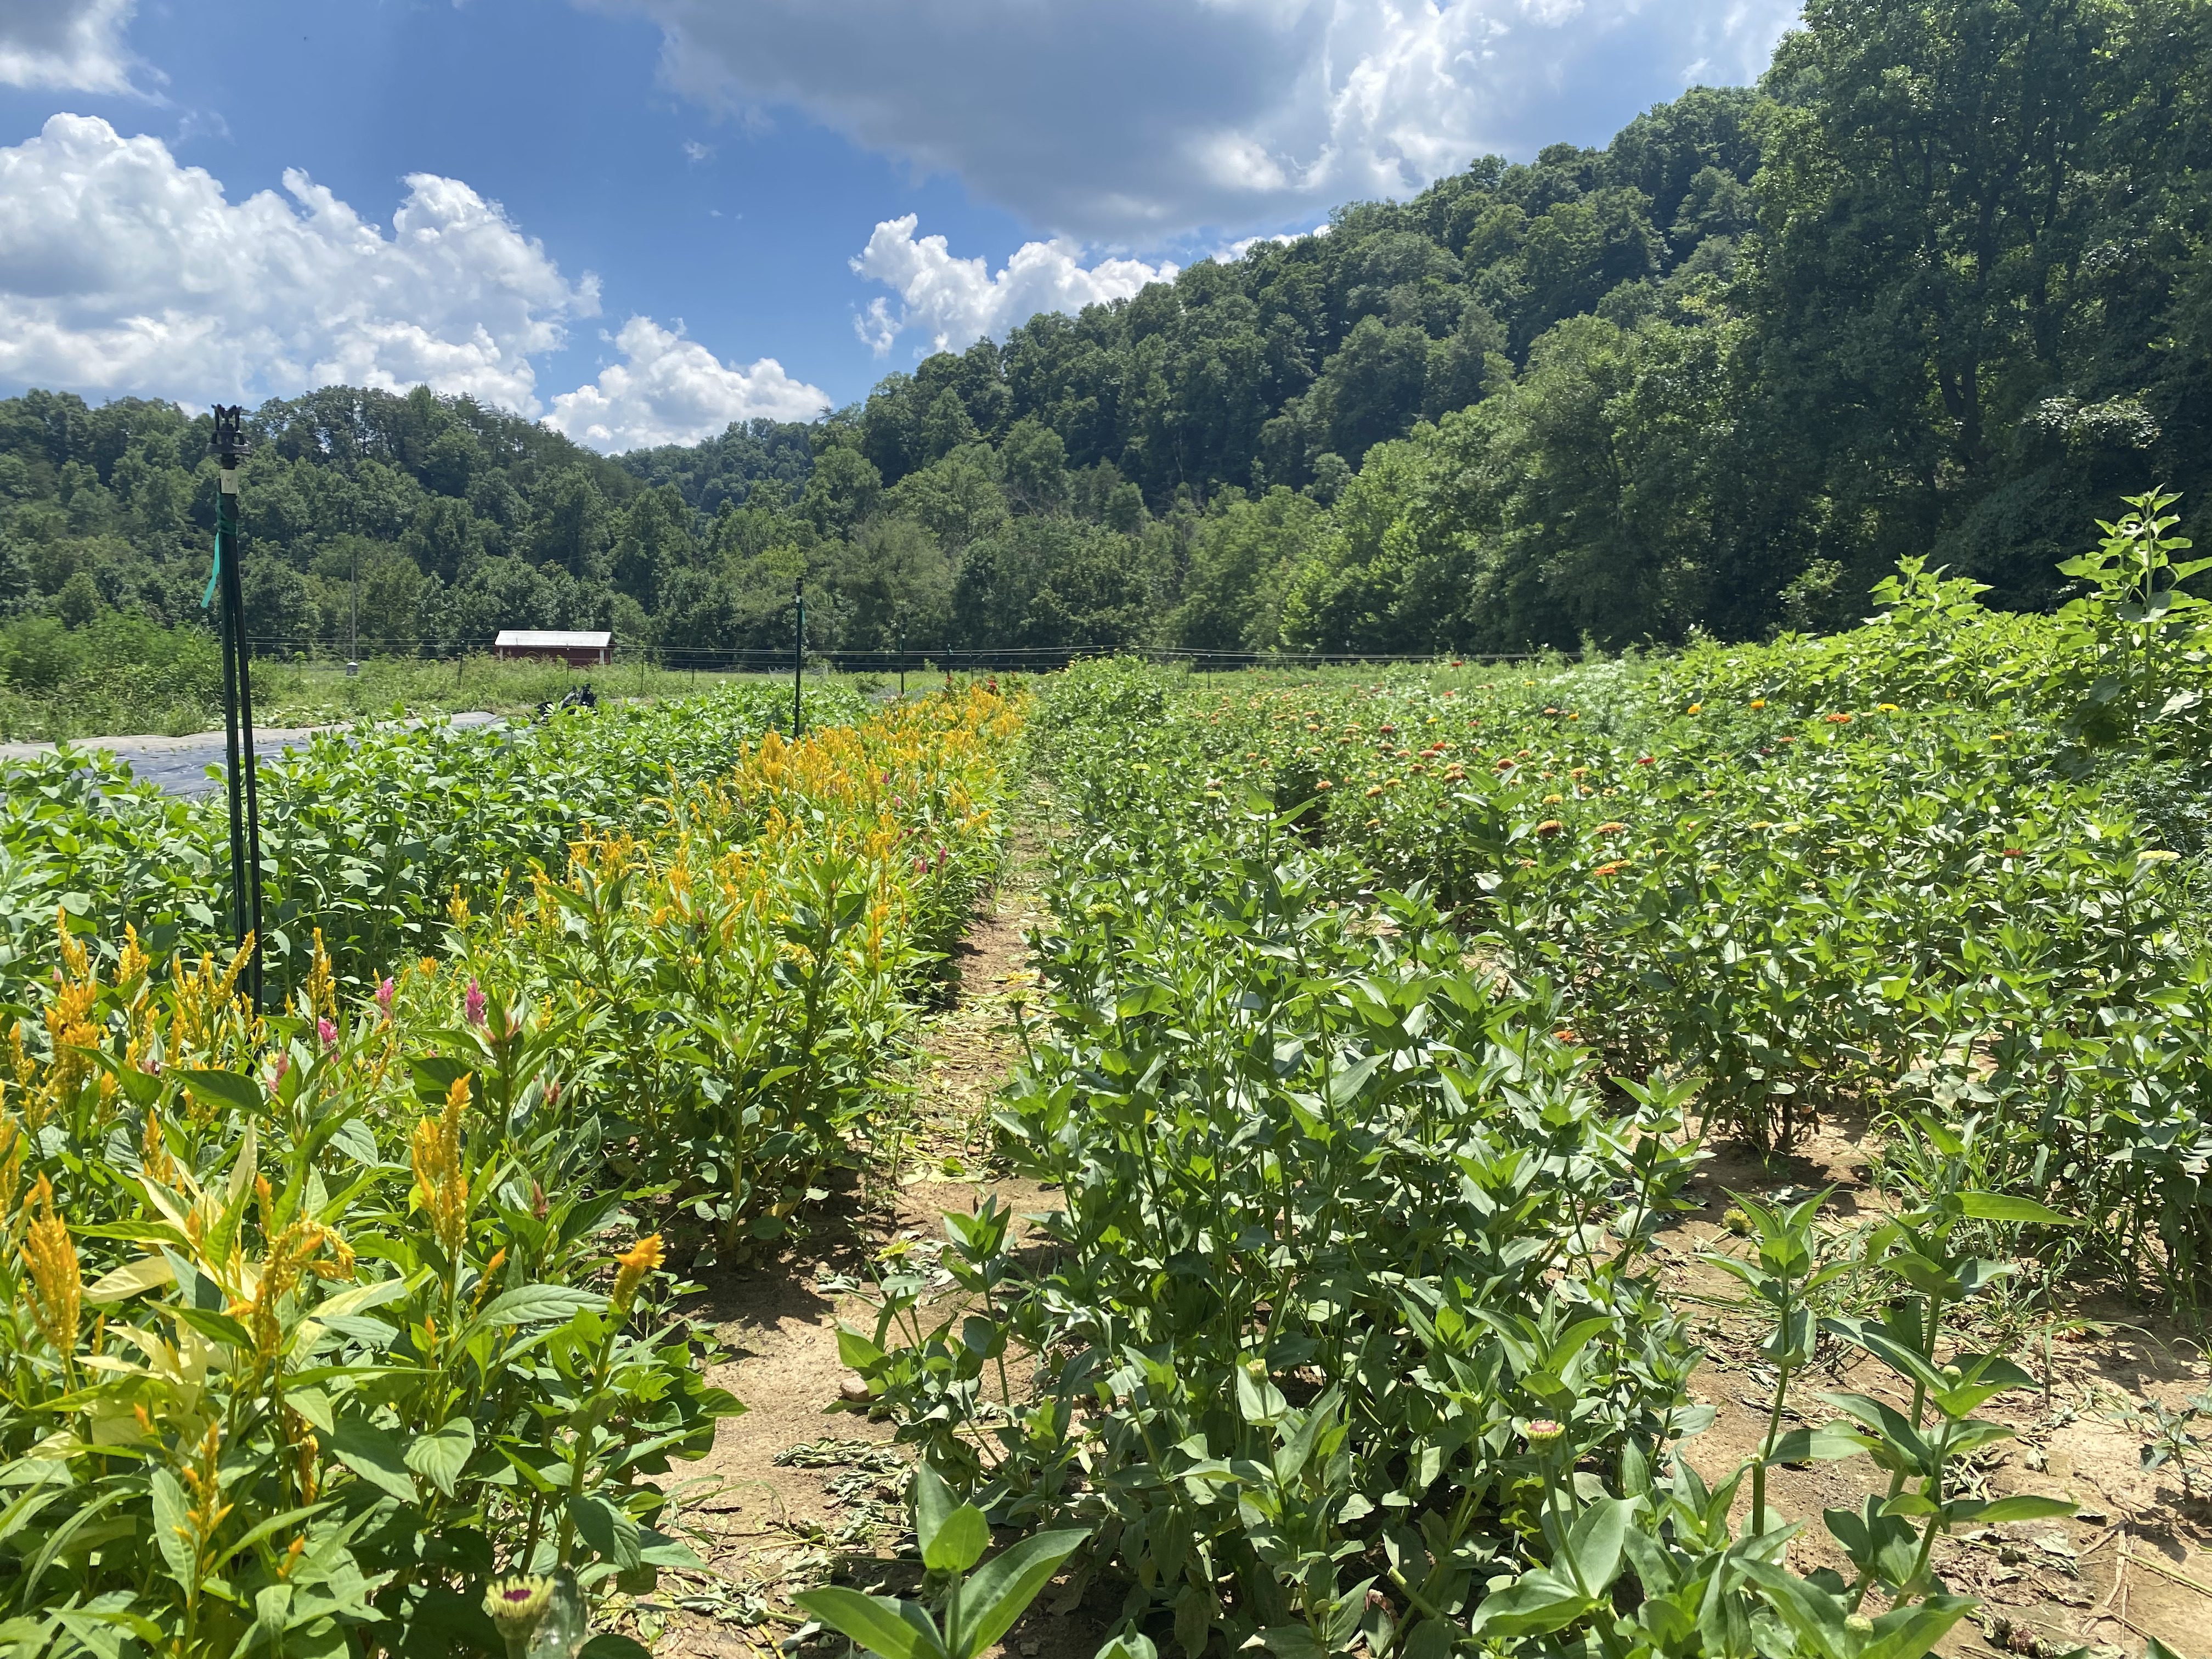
796 1487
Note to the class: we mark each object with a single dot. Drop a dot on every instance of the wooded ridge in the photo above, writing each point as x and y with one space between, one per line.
1939 286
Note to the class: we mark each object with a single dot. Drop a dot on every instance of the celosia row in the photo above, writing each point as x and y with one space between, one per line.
752 959
312 1323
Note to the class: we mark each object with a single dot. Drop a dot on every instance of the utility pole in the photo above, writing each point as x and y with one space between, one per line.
353 648
230 447
798 651
902 628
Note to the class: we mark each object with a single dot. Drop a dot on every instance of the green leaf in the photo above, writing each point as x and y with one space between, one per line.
1289 1642
657 1549
269 1528
1815 1614
439 1456
2022 1507
171 1529
314 1405
1540 1602
1909 1632
610 1529
712 1401
84 1529
1594 1546
1258 1398
435 1074
589 1217
953 1535
1820 1445
353 1138
531 1304
370 1453
231 1088
1996 1206
1002 1591
1146 999
129 1279
1344 1086
1572 1340
611 1644
215 1327
960 1542
893 1630
856 1351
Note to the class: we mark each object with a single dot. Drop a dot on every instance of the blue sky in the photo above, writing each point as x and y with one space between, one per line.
527 199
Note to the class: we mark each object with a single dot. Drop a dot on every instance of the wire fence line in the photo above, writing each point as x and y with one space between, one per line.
765 660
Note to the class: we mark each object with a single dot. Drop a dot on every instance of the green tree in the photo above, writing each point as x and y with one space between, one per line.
573 531
654 545
842 492
1033 463
891 575
1242 556
955 499
1925 210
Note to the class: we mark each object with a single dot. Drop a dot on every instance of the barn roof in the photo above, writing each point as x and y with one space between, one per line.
548 639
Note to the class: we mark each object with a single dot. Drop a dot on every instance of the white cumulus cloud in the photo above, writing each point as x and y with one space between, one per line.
670 390
1230 252
121 271
72 46
952 303
1137 121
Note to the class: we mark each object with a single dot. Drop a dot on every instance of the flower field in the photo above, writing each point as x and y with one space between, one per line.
317 1320
1387 1032
1874 911
1385 1023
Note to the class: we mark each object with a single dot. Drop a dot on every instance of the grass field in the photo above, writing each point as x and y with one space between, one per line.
306 694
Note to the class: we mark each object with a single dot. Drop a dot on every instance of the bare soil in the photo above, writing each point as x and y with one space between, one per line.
767 1528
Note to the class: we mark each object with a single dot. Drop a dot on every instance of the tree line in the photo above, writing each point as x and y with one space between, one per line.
1941 285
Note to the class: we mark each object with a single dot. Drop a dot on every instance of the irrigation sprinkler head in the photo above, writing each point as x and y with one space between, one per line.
230 445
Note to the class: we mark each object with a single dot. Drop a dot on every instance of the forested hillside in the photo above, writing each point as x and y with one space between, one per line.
1941 285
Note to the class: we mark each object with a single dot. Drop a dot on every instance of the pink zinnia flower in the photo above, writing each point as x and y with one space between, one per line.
472 1006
